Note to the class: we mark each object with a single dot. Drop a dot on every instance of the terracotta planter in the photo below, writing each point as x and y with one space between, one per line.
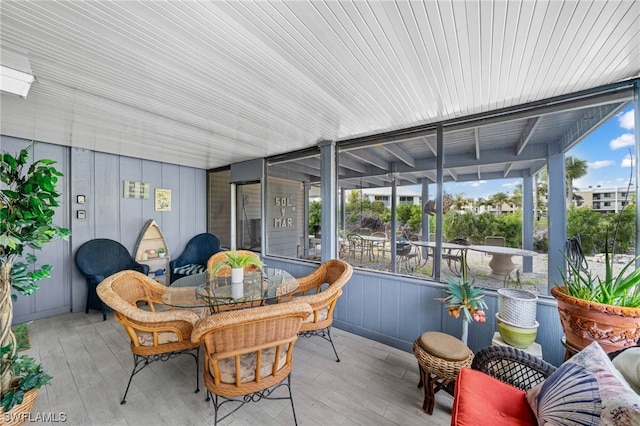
614 327
20 413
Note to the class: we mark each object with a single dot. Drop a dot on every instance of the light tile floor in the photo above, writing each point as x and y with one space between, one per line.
90 362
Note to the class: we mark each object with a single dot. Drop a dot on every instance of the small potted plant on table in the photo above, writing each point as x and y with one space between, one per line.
237 261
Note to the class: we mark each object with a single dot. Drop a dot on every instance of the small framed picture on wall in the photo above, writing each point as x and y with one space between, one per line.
163 200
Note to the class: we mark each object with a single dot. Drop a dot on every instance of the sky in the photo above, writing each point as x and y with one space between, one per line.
606 151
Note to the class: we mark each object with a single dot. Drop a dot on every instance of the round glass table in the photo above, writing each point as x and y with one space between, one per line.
218 293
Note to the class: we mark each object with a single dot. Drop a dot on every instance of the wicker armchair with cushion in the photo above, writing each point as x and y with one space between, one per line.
99 258
193 259
249 353
156 335
321 290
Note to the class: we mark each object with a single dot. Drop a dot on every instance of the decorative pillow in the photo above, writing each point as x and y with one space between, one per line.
586 390
628 364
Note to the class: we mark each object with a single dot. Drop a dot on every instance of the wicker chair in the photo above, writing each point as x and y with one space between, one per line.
321 290
155 335
512 366
249 341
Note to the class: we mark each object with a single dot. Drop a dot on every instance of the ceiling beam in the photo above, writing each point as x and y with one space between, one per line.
349 163
401 154
507 169
589 121
367 156
431 146
527 133
453 174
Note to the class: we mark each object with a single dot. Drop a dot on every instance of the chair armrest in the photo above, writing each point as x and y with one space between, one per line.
512 366
95 278
141 268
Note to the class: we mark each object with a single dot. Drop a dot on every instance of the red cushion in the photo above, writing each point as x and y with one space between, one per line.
482 400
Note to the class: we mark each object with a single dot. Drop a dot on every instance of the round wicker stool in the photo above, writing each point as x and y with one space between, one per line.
440 358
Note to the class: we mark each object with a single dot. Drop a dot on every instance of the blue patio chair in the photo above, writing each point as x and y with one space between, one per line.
96 260
193 260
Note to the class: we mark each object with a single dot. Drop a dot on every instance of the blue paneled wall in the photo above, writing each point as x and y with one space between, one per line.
395 310
99 177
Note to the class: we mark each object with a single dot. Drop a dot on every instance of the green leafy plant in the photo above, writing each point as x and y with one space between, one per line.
28 375
462 296
618 290
28 199
237 260
160 250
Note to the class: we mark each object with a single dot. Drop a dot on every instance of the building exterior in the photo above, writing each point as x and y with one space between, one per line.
605 199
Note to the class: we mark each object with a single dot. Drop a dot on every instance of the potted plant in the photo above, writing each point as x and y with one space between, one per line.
237 261
20 395
27 201
161 252
606 310
462 296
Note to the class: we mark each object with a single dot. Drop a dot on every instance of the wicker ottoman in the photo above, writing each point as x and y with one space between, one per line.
440 358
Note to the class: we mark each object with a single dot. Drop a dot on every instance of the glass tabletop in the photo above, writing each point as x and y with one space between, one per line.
258 287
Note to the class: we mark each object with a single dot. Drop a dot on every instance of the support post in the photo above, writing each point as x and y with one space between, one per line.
557 218
328 194
437 254
527 221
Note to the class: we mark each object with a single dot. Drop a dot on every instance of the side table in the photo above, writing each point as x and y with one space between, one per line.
534 349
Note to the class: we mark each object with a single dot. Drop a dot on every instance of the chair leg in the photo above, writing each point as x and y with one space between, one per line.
136 362
293 409
140 362
325 334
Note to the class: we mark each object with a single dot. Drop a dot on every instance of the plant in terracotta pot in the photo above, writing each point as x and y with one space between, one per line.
606 310
28 198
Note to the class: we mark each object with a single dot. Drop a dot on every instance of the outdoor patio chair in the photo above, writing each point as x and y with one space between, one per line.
321 290
156 335
97 259
249 354
193 259
356 245
453 257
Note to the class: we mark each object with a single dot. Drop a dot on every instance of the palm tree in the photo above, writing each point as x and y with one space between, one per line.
575 168
516 197
499 199
459 201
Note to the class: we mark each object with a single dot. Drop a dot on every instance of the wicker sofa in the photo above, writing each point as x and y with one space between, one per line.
506 386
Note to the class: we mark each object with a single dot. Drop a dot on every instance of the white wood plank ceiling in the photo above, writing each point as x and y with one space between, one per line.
210 83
